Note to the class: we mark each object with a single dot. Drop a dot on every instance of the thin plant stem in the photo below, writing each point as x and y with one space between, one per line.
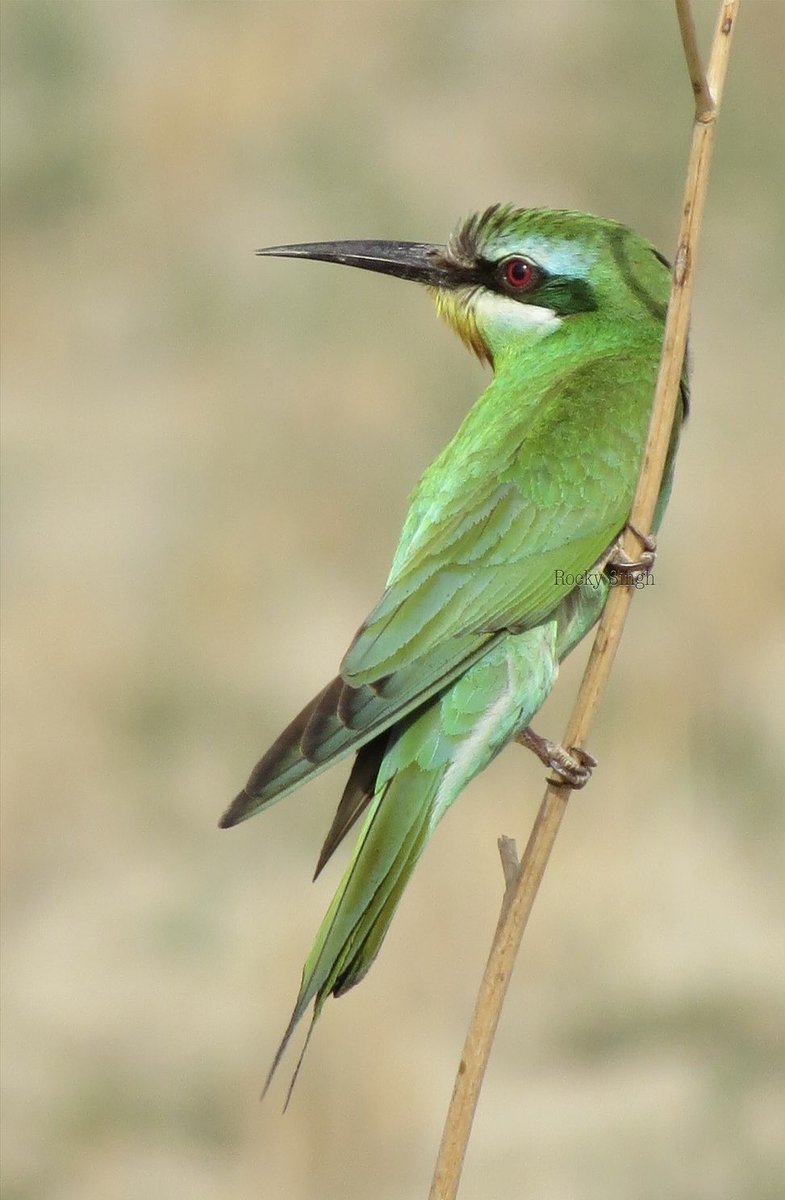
521 887
704 101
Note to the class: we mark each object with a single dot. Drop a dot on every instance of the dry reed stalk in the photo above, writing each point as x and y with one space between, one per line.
521 884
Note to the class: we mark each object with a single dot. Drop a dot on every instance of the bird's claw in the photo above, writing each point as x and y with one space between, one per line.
573 766
631 569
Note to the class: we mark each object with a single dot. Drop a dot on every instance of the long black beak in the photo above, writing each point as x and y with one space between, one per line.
419 261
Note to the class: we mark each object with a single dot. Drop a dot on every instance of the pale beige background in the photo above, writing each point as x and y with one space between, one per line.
207 459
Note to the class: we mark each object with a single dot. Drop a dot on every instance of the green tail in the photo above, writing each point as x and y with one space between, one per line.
423 765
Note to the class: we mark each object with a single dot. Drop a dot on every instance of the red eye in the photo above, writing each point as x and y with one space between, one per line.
519 274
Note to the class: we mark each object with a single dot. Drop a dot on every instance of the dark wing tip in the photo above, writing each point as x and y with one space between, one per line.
237 811
277 769
356 797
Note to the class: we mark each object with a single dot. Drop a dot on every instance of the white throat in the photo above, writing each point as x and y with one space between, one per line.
494 312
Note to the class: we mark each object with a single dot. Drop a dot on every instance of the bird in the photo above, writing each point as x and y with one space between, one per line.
506 558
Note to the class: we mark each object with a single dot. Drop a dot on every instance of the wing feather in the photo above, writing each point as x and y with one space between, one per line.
499 525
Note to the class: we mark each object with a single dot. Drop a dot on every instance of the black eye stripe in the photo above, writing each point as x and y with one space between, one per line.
565 295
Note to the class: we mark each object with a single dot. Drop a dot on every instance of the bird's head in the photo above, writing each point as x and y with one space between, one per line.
510 276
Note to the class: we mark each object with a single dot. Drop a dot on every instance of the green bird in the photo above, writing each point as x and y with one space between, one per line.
506 556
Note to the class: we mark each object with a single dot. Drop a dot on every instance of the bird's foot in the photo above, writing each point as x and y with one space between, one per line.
573 766
631 569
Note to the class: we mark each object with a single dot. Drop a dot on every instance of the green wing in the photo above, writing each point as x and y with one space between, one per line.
499 526
503 551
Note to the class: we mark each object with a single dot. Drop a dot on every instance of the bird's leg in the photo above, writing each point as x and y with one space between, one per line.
573 766
630 569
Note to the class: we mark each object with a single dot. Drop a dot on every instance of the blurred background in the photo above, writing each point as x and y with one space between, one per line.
206 464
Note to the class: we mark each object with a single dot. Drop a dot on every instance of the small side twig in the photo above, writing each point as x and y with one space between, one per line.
508 852
704 101
519 896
